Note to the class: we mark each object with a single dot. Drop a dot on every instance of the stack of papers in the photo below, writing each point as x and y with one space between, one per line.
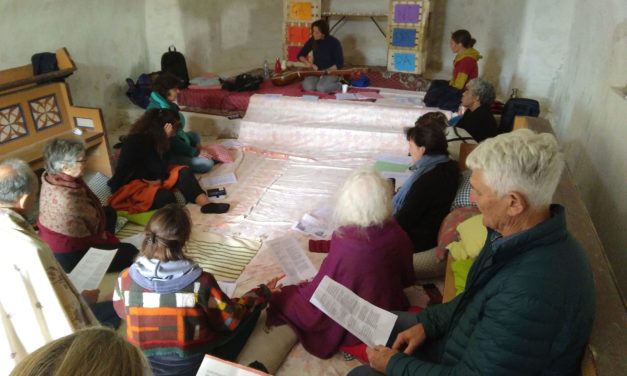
218 181
212 366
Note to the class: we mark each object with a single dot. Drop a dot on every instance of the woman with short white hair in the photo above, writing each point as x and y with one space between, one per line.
478 119
369 253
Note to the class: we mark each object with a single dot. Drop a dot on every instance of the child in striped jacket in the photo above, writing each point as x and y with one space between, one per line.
174 311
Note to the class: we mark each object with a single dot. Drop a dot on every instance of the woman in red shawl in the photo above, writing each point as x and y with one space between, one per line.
369 253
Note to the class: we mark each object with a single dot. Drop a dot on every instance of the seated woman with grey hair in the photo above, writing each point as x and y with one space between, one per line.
529 301
370 254
478 119
71 219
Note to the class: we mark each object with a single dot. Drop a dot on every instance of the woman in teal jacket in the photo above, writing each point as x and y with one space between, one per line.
185 147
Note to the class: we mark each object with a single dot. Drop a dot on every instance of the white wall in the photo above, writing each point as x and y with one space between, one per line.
106 40
590 119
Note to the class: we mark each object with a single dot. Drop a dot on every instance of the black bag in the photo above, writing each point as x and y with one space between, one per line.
45 62
517 107
243 82
174 62
139 91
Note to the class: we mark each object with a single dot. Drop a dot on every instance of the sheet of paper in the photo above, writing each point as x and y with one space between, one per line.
404 160
293 259
313 226
135 240
88 273
345 96
227 287
273 96
220 180
231 144
311 98
371 324
387 166
212 366
370 95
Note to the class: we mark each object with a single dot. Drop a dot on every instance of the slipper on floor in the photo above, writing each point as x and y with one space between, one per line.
214 208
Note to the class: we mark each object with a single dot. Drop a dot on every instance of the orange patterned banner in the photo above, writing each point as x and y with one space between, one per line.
301 11
297 34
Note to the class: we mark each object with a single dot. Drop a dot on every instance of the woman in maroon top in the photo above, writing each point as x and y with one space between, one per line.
370 254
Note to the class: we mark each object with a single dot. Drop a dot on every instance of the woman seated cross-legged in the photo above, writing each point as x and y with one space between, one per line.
174 311
71 219
370 254
143 179
425 198
185 147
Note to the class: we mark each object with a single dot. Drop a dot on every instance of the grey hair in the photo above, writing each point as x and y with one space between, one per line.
365 199
60 153
522 161
16 180
482 89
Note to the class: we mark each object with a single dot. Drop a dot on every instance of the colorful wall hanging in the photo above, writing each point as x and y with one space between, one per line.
407 26
297 18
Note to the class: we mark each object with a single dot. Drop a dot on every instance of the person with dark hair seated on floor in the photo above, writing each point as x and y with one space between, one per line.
71 218
425 198
143 180
185 147
327 56
447 94
529 302
478 119
192 317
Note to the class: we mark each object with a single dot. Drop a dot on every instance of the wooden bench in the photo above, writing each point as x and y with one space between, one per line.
32 114
605 354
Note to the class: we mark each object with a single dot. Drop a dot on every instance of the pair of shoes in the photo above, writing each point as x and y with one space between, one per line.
214 208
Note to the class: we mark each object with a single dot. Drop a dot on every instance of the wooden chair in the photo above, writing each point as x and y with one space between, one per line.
32 114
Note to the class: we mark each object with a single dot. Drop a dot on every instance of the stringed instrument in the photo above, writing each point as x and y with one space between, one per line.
291 76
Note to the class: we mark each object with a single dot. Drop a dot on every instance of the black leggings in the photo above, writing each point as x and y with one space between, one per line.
187 184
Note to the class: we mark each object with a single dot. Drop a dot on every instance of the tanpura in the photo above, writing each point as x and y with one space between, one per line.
289 77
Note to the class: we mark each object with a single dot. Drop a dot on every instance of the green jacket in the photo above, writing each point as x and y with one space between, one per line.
180 144
527 309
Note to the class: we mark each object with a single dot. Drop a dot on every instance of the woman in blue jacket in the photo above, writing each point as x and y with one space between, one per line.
185 147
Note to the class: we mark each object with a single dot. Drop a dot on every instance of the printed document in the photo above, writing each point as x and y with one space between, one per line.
293 259
88 273
371 324
212 366
214 181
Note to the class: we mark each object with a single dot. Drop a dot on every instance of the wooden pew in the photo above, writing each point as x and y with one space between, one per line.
605 354
32 114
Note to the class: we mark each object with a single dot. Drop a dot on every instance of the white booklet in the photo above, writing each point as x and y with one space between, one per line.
214 181
212 366
88 273
371 324
293 259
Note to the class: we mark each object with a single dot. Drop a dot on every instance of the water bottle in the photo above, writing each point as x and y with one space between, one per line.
266 70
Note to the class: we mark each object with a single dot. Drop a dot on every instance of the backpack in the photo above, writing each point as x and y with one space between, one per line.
45 62
139 91
174 62
517 107
243 82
